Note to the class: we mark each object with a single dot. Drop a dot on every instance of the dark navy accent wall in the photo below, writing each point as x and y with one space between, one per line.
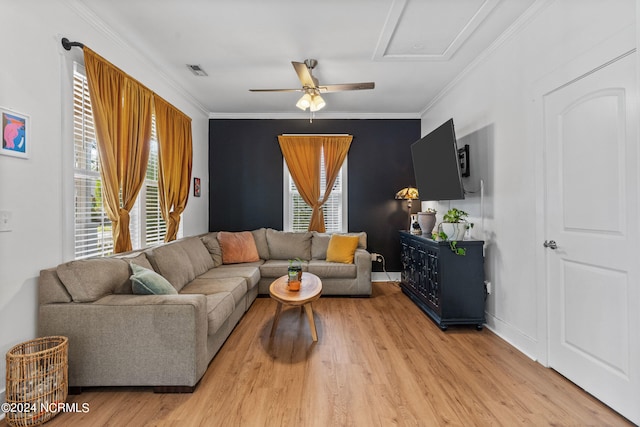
245 175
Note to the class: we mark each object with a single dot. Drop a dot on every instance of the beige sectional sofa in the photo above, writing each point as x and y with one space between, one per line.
117 338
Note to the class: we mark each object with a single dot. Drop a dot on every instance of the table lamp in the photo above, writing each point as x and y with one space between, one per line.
409 194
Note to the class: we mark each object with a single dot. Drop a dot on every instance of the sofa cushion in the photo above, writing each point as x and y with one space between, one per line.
320 243
210 241
327 270
260 236
250 272
50 288
341 248
278 267
238 247
173 263
236 286
198 254
219 307
289 245
90 279
148 282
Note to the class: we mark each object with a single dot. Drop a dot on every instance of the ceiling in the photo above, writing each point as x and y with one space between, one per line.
411 49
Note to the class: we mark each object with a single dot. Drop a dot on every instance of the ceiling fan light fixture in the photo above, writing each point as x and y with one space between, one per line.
304 102
317 103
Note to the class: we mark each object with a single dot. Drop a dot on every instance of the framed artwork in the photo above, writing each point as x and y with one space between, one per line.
196 187
15 134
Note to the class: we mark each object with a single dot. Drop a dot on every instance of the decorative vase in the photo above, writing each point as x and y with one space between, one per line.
427 220
461 231
454 230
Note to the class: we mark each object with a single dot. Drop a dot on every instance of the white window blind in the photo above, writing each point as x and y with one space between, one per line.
92 227
155 226
298 213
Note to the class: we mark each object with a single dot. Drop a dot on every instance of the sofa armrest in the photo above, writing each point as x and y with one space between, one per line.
122 340
362 260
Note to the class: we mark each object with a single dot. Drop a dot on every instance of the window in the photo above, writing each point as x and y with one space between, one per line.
92 227
297 214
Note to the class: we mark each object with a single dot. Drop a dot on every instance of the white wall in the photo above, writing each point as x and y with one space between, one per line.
33 72
492 105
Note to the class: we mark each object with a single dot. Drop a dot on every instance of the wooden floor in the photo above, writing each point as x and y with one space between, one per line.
379 361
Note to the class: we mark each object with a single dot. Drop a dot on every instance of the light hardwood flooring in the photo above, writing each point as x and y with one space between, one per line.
379 361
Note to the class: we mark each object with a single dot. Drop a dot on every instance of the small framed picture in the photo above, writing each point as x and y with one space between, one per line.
16 138
196 187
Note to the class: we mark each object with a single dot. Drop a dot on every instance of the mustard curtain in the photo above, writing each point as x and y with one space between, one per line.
175 155
302 154
335 149
122 117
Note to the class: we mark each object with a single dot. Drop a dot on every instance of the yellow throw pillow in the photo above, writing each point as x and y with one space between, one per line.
342 248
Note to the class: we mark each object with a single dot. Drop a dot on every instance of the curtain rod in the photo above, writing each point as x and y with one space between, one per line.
68 45
315 134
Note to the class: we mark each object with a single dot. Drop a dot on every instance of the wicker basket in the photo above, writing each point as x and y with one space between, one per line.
37 380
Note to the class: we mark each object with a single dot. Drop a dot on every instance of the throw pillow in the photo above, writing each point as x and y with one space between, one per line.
238 247
210 240
148 282
289 245
342 248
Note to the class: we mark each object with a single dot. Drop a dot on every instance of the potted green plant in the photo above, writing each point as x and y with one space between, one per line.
295 269
455 224
453 227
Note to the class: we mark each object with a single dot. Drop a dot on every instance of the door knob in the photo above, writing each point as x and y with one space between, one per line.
551 244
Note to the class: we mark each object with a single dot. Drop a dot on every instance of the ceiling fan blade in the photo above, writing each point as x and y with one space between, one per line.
275 90
304 74
347 86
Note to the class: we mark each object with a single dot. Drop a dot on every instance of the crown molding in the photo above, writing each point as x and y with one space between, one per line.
98 24
534 10
317 116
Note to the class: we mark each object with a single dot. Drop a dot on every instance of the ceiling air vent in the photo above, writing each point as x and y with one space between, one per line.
196 70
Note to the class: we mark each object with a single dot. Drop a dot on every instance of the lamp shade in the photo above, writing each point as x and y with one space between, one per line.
408 193
317 103
304 102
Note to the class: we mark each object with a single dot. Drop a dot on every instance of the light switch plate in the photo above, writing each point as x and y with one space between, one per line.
5 221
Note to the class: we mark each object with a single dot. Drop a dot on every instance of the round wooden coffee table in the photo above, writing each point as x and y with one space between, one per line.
310 290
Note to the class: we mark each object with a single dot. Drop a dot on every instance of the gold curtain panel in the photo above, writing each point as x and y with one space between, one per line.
302 154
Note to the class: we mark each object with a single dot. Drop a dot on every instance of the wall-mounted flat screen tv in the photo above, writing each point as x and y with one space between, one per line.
436 165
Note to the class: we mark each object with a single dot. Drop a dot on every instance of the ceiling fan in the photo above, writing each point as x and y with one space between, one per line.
312 88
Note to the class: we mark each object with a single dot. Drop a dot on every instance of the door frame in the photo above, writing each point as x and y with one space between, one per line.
622 44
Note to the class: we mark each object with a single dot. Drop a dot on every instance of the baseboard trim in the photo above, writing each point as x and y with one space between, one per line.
379 276
516 338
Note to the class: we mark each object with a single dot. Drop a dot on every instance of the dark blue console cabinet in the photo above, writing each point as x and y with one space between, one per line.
448 287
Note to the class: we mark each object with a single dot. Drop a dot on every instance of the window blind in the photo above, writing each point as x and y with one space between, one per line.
92 227
300 213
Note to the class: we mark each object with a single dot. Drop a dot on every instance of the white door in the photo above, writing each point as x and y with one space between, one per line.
592 187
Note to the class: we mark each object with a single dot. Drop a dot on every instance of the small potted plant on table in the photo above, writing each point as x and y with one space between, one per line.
295 274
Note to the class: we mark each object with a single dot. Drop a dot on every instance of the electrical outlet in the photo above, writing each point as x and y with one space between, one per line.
376 257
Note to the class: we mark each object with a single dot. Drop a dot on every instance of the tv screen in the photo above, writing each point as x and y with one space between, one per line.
436 165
